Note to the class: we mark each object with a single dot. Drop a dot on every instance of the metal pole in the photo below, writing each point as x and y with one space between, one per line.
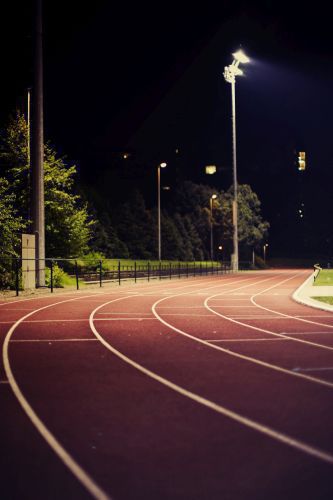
211 229
37 153
159 209
76 275
119 276
135 272
51 273
100 273
17 276
234 157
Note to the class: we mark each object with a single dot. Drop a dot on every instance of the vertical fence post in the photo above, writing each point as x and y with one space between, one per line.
148 269
194 269
187 269
178 269
51 275
159 270
119 276
76 275
206 268
135 272
17 276
200 268
170 271
100 273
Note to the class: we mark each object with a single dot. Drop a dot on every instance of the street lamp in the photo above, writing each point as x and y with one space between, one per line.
161 165
265 247
213 197
230 73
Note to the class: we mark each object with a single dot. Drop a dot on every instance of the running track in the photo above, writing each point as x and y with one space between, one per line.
206 388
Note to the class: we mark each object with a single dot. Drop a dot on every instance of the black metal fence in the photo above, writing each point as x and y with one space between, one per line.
19 274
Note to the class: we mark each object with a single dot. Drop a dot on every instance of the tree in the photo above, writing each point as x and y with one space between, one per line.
68 224
11 224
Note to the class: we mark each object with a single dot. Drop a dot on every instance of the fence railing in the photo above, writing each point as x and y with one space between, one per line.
19 274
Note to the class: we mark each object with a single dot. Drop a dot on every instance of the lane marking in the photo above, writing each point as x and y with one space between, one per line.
301 341
247 340
297 317
319 369
308 378
81 475
23 341
252 424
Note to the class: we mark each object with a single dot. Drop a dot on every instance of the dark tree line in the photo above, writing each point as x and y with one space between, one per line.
112 217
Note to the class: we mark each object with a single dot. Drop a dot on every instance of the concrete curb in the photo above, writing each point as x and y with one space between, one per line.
308 301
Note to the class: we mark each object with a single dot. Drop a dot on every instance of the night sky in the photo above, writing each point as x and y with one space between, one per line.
149 79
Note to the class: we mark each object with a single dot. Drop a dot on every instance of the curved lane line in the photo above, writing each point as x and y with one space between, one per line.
252 424
270 332
309 378
284 314
83 477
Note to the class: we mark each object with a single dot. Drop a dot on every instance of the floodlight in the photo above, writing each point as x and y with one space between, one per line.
240 57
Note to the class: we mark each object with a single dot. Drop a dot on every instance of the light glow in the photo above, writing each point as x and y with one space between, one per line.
241 57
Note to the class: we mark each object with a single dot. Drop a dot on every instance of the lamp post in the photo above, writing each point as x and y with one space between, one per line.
230 73
161 165
265 247
213 197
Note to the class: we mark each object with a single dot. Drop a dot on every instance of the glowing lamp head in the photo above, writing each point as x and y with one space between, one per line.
214 196
240 57
162 165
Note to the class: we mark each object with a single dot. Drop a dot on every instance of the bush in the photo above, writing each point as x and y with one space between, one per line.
60 278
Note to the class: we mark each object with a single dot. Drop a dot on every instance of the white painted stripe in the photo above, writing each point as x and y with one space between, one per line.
82 476
23 341
298 317
319 369
252 424
246 340
235 354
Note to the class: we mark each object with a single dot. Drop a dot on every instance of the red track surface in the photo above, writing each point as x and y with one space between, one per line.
205 388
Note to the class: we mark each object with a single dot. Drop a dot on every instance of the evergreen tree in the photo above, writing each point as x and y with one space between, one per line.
67 222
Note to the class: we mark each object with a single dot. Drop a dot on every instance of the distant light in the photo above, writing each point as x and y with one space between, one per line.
301 160
241 57
220 247
210 169
214 196
177 151
163 165
166 188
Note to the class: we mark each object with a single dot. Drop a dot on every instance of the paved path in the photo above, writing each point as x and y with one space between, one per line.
206 388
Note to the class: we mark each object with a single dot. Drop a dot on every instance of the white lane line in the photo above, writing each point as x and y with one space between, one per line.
123 313
297 318
225 306
235 354
23 341
319 369
308 333
125 319
246 340
252 424
83 477
45 321
302 341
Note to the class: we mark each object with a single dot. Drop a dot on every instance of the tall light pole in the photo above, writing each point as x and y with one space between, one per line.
265 247
213 197
230 73
161 165
37 152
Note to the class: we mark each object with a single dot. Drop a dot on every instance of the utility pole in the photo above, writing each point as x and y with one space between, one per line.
37 150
